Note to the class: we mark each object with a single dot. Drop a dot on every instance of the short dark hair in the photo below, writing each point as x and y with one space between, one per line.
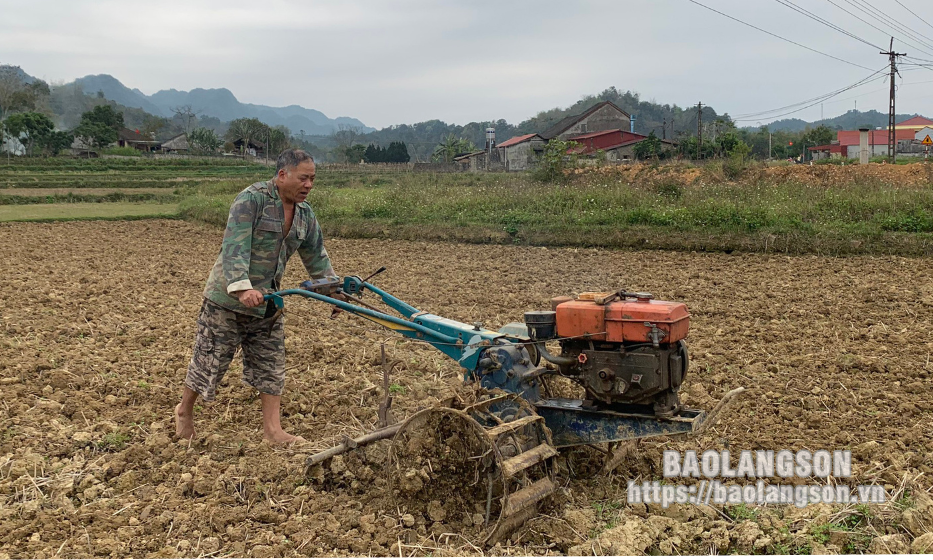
291 158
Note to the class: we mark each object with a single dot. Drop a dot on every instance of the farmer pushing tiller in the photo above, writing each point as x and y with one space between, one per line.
494 453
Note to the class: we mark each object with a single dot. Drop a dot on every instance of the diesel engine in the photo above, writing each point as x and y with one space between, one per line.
625 349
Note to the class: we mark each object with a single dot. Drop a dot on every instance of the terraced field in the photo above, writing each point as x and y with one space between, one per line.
75 189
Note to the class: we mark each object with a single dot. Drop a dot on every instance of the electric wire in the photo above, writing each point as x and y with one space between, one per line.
866 22
909 31
778 36
825 22
800 106
897 30
915 15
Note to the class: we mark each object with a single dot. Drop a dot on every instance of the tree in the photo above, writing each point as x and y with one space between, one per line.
203 141
16 95
555 160
397 153
648 148
186 116
277 139
57 140
105 115
152 125
371 155
99 126
355 153
95 134
345 137
31 129
452 147
246 129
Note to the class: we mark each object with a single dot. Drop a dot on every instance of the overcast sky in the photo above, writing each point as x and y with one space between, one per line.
404 61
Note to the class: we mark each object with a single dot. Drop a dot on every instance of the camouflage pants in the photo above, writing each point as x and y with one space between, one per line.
220 332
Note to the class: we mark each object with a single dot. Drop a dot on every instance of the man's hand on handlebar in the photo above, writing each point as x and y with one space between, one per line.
250 298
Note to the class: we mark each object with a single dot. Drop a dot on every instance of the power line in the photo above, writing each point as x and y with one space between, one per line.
872 25
778 36
907 30
890 22
797 107
915 15
815 17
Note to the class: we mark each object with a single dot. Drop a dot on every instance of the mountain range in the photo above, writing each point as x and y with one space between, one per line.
850 120
219 103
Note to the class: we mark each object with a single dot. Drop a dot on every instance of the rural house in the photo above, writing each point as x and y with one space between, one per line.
253 148
176 144
618 145
602 116
127 138
519 152
908 134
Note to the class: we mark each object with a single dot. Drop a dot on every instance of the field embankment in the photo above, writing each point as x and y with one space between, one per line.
875 209
820 209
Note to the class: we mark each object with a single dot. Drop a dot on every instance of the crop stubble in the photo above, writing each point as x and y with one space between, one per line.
98 322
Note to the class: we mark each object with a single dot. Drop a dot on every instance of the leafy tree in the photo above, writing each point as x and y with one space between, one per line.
105 115
372 154
16 95
31 129
99 126
57 140
648 148
452 147
355 153
688 148
277 139
246 129
818 136
95 134
203 141
555 160
397 153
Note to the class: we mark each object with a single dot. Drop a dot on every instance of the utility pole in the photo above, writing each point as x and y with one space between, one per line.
699 128
892 139
664 129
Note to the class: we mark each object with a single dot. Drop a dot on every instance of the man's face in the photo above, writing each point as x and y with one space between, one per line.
295 183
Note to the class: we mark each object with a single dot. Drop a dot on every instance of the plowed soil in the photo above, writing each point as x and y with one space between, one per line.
96 329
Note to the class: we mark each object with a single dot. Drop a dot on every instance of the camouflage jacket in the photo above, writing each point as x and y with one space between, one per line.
254 253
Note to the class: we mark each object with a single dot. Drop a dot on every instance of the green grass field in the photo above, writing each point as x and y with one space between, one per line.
85 211
679 206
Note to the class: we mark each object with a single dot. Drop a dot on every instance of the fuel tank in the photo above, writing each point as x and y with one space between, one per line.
639 319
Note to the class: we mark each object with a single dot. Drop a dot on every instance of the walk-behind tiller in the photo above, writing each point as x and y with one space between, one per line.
495 455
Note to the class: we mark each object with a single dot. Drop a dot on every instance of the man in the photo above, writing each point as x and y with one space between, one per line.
268 222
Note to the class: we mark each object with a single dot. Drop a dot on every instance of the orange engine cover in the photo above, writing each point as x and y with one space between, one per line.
624 321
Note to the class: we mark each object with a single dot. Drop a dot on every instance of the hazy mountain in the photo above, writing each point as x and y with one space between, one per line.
219 103
18 72
114 90
851 120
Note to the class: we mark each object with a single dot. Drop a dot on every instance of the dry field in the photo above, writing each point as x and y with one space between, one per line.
97 322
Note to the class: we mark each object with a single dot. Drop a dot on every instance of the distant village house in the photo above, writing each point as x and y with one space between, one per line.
909 136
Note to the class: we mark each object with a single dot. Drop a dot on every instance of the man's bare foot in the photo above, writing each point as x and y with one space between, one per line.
184 423
280 436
